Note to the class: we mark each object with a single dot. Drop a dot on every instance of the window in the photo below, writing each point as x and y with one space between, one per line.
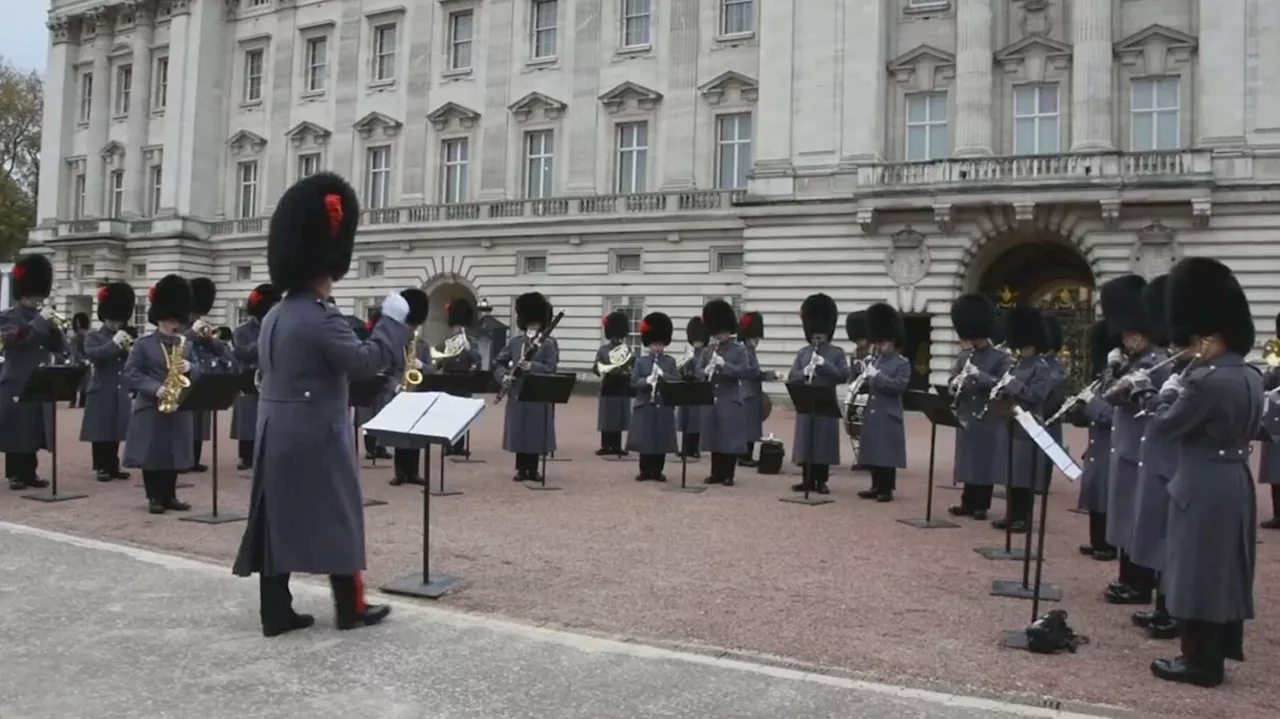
86 269
635 23
728 262
160 95
138 270
1035 120
115 200
927 126
733 151
539 150
86 96
628 262
461 33
633 308
317 64
247 196
373 268
308 164
155 189
242 273
542 41
253 61
633 154
1155 114
77 197
533 264
259 3
384 52
124 88
453 171
737 17
377 177
140 311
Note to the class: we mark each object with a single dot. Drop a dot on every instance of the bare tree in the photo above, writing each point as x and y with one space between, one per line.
21 104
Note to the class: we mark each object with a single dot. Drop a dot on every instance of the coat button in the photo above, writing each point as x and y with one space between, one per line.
1221 453
1139 464
1143 439
307 394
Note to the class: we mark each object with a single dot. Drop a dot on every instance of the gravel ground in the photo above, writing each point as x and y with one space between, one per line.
842 585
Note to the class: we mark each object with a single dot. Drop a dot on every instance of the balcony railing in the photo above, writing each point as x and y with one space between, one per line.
1067 169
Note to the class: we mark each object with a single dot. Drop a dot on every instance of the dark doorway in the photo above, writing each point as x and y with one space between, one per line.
916 347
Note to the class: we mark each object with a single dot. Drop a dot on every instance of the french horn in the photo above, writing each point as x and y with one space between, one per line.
453 347
619 357
1271 353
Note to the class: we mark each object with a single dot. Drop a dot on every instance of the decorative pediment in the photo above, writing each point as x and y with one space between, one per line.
113 151
715 89
305 132
525 107
153 154
628 92
375 123
925 67
1158 46
1031 54
246 142
453 112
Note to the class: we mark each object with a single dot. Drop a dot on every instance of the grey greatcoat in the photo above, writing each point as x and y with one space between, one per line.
981 458
306 513
1097 458
156 441
613 414
817 439
1126 450
689 419
1212 525
244 415
29 342
107 409
1269 462
753 396
722 431
653 426
1053 401
527 427
884 437
210 354
1151 499
1033 381
77 353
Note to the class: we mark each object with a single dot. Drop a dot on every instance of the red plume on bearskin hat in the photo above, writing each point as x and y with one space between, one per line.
262 299
169 299
116 302
32 277
313 232
655 327
751 326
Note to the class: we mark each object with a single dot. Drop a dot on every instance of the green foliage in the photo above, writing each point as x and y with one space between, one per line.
21 103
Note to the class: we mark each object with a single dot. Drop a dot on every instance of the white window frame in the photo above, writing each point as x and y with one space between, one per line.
138 270
373 267
734 10
634 308
79 184
1158 113
248 180
160 91
456 46
140 311
315 79
86 269
86 96
242 272
628 143
155 173
455 155
382 62
526 257
377 177
617 257
123 89
1038 118
539 164
115 193
929 124
543 38
308 164
718 260
254 77
637 20
732 149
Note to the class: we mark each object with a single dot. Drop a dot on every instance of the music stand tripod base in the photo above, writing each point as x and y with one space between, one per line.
220 518
373 503
432 587
1013 589
49 497
686 489
922 523
540 486
1015 639
445 493
1000 553
1077 510
810 501
179 485
956 487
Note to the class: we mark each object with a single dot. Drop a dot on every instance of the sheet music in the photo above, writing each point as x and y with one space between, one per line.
434 415
1048 445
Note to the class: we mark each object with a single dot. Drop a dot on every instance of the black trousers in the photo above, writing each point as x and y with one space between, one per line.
19 465
611 441
1098 532
160 485
976 497
106 456
1275 501
689 443
884 479
1020 503
723 466
751 451
459 447
406 462
244 449
815 473
1135 576
197 452
275 601
527 463
651 465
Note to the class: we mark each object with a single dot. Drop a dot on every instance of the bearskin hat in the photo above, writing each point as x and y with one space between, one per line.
169 299
718 316
531 308
655 327
80 321
1052 335
1024 327
973 316
855 325
1203 298
750 326
460 313
225 334
312 232
818 315
1101 342
261 300
32 277
1154 311
115 302
419 306
616 325
884 324
203 294
1121 300
359 328
696 331
998 333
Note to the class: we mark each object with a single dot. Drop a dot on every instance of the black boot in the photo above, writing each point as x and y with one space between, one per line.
275 607
1201 663
348 602
170 497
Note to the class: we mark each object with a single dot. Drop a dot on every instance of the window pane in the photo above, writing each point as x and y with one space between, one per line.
1049 100
1143 131
917 143
939 143
1142 95
1048 140
1024 101
916 109
1024 137
1167 130
1167 93
938 107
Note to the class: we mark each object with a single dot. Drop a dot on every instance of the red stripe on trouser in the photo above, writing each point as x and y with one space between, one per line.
359 582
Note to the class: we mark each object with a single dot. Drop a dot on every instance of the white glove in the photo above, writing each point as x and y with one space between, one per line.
717 360
658 372
47 313
871 371
184 367
417 364
162 392
200 326
395 307
1115 357
1087 395
1173 384
818 361
121 338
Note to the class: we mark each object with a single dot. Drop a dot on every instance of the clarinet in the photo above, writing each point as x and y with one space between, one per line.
530 350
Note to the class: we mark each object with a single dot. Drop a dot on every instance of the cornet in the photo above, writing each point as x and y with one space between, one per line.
652 381
58 321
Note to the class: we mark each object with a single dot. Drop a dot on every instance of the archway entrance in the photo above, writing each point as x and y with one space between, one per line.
436 329
1056 279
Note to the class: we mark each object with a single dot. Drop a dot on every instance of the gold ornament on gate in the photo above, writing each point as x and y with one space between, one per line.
174 379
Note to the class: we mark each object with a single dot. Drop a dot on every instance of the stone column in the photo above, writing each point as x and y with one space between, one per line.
773 169
58 79
99 117
864 91
974 86
579 136
135 173
681 112
175 114
1221 81
1092 60
417 36
494 117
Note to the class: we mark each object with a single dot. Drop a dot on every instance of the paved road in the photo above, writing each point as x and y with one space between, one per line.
89 629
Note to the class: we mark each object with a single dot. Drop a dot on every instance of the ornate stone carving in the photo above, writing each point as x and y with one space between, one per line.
630 93
1024 213
59 30
714 90
925 68
1201 211
452 111
179 7
942 217
1156 49
1110 213
867 221
305 132
908 259
245 142
113 153
376 122
230 9
525 107
1035 20
1033 53
153 154
1155 251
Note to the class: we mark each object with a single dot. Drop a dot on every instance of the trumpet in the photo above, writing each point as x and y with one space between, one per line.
174 380
204 330
453 347
58 321
619 358
412 375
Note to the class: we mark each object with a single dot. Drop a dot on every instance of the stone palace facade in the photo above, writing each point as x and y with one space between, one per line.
648 155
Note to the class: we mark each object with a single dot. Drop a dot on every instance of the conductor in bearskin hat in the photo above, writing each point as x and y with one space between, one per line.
750 332
820 363
613 413
689 418
244 340
29 332
105 423
653 426
528 428
1213 412
883 446
307 513
211 354
1094 413
724 363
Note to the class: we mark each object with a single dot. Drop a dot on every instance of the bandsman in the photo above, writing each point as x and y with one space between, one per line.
461 315
1051 352
373 451
160 443
528 429
29 332
106 414
690 418
211 354
613 413
653 426
244 416
981 460
723 363
820 363
1095 413
407 461
855 326
1269 462
79 331
1030 382
306 513
883 447
1212 412
750 332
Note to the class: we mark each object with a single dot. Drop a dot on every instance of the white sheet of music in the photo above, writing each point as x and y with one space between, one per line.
1048 445
434 415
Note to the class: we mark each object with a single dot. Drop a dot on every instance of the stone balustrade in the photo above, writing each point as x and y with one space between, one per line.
1104 169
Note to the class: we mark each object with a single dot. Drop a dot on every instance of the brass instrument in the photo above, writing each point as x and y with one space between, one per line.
453 347
1271 353
412 375
59 322
204 330
619 358
690 354
174 380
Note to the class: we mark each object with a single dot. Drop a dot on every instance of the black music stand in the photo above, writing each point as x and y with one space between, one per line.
938 410
363 393
689 395
52 384
552 389
948 400
213 392
618 384
459 384
815 401
1004 408
1039 590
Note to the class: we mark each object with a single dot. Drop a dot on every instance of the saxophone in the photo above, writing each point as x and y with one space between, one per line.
412 375
174 380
